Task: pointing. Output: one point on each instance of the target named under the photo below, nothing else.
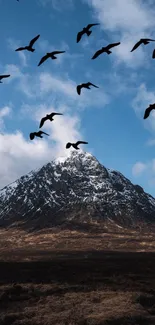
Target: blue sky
(109, 118)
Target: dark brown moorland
(73, 277)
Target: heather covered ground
(74, 277)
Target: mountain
(74, 189)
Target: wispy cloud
(4, 112)
(141, 101)
(13, 45)
(138, 169)
(62, 58)
(150, 142)
(67, 87)
(14, 71)
(145, 170)
(58, 5)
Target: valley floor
(70, 277)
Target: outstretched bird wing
(90, 25)
(34, 40)
(78, 142)
(90, 84)
(52, 114)
(43, 59)
(136, 45)
(153, 54)
(4, 76)
(148, 110)
(57, 52)
(68, 145)
(78, 88)
(42, 132)
(20, 49)
(149, 39)
(32, 135)
(43, 121)
(79, 35)
(112, 45)
(97, 53)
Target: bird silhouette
(29, 47)
(50, 55)
(84, 85)
(37, 134)
(144, 41)
(4, 76)
(148, 110)
(48, 117)
(153, 54)
(75, 145)
(85, 30)
(105, 49)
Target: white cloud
(130, 15)
(138, 169)
(64, 129)
(20, 155)
(128, 21)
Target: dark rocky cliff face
(76, 188)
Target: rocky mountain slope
(77, 188)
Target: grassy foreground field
(70, 277)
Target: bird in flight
(105, 49)
(48, 117)
(153, 54)
(4, 76)
(144, 41)
(29, 47)
(37, 134)
(85, 30)
(50, 55)
(148, 110)
(75, 145)
(84, 85)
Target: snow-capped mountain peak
(80, 185)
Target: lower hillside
(77, 278)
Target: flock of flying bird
(52, 55)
